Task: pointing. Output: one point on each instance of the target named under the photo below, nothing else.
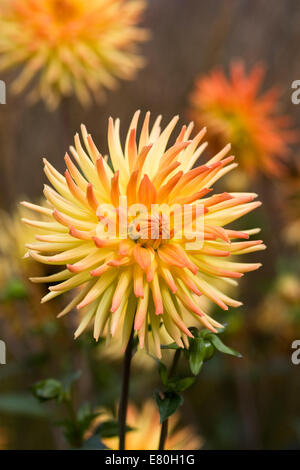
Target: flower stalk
(165, 423)
(125, 390)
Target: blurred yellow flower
(150, 271)
(278, 313)
(288, 286)
(234, 110)
(13, 238)
(70, 46)
(146, 431)
(16, 293)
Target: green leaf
(72, 433)
(48, 389)
(21, 404)
(163, 373)
(167, 402)
(69, 379)
(15, 289)
(179, 385)
(196, 354)
(195, 331)
(83, 411)
(209, 350)
(85, 417)
(220, 346)
(204, 333)
(110, 429)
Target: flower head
(143, 360)
(144, 263)
(146, 431)
(70, 46)
(234, 110)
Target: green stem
(165, 424)
(125, 391)
(163, 434)
(76, 440)
(175, 363)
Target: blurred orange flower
(234, 110)
(74, 46)
(146, 431)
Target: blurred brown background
(189, 37)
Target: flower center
(150, 230)
(63, 10)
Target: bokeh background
(236, 403)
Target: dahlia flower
(70, 46)
(151, 271)
(143, 358)
(146, 431)
(234, 110)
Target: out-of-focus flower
(13, 238)
(290, 188)
(292, 231)
(279, 313)
(16, 293)
(235, 111)
(151, 271)
(146, 431)
(3, 439)
(288, 286)
(70, 46)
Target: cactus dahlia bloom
(140, 276)
(234, 111)
(73, 46)
(142, 360)
(146, 431)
